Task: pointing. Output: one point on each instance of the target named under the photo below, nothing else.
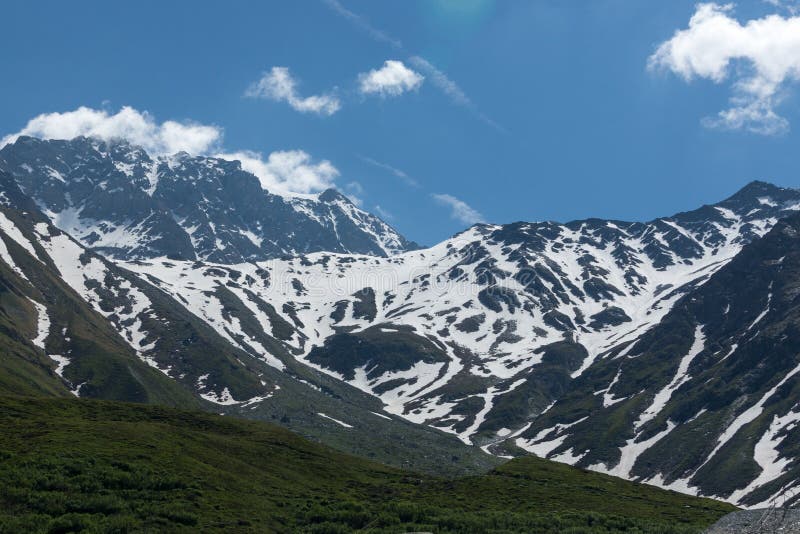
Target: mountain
(72, 323)
(560, 340)
(440, 334)
(480, 335)
(141, 468)
(115, 198)
(718, 379)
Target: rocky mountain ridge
(115, 198)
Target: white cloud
(393, 79)
(286, 172)
(459, 210)
(138, 127)
(760, 58)
(391, 170)
(279, 85)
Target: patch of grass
(96, 466)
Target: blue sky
(551, 111)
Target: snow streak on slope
(197, 289)
(90, 278)
(122, 298)
(223, 399)
(5, 255)
(635, 446)
(42, 331)
(748, 415)
(631, 452)
(547, 440)
(329, 418)
(768, 457)
(42, 324)
(680, 378)
(11, 230)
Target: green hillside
(98, 466)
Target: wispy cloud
(451, 89)
(441, 81)
(279, 85)
(792, 7)
(408, 180)
(715, 41)
(382, 213)
(392, 79)
(363, 24)
(354, 191)
(459, 210)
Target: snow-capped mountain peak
(122, 202)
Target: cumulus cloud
(137, 127)
(279, 85)
(392, 79)
(760, 58)
(459, 210)
(286, 172)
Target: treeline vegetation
(91, 466)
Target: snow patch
(340, 423)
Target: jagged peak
(238, 225)
(757, 188)
(333, 195)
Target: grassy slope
(67, 464)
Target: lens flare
(463, 16)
